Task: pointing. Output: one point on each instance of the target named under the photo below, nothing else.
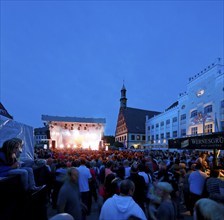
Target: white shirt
(84, 176)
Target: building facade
(130, 129)
(41, 137)
(199, 110)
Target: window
(167, 121)
(132, 137)
(208, 128)
(208, 109)
(152, 138)
(149, 138)
(222, 126)
(157, 125)
(143, 137)
(157, 137)
(174, 119)
(174, 133)
(183, 132)
(162, 136)
(138, 137)
(167, 134)
(194, 113)
(148, 128)
(162, 123)
(222, 104)
(152, 126)
(194, 130)
(183, 117)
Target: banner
(210, 141)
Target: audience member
(9, 165)
(167, 209)
(196, 185)
(62, 216)
(69, 199)
(84, 178)
(122, 206)
(207, 209)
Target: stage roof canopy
(73, 119)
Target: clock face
(200, 92)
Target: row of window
(194, 113)
(137, 137)
(156, 137)
(37, 137)
(194, 131)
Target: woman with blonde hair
(208, 209)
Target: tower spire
(123, 99)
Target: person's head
(163, 189)
(162, 165)
(214, 173)
(62, 216)
(11, 148)
(198, 166)
(127, 187)
(207, 209)
(20, 142)
(73, 174)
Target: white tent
(10, 129)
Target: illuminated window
(208, 128)
(194, 130)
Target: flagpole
(215, 161)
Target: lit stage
(76, 133)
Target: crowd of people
(126, 184)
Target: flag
(216, 124)
(4, 112)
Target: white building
(198, 110)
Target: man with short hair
(122, 206)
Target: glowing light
(89, 138)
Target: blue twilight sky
(70, 58)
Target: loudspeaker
(48, 134)
(53, 144)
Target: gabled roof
(135, 118)
(4, 112)
(73, 119)
(172, 106)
